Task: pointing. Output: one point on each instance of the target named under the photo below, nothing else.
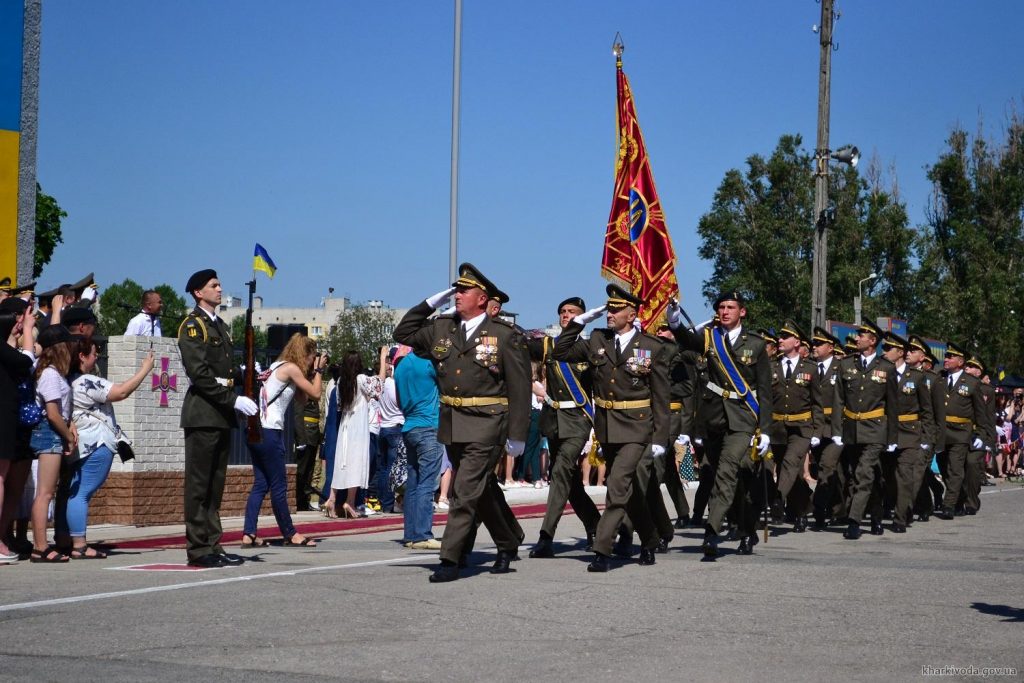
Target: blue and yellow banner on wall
(12, 22)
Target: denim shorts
(45, 440)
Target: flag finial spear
(618, 48)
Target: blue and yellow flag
(261, 261)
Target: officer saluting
(207, 416)
(483, 374)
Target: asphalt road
(804, 607)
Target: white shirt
(390, 414)
(473, 323)
(867, 360)
(900, 369)
(623, 339)
(825, 365)
(955, 376)
(790, 364)
(143, 325)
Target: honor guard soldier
(974, 467)
(916, 430)
(797, 420)
(965, 425)
(865, 423)
(631, 399)
(919, 357)
(483, 374)
(682, 414)
(566, 420)
(830, 491)
(737, 405)
(207, 416)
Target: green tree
(119, 303)
(970, 248)
(363, 329)
(48, 235)
(758, 236)
(238, 335)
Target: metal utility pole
(822, 217)
(453, 208)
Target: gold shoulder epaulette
(193, 326)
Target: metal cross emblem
(164, 381)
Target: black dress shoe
(599, 563)
(623, 547)
(747, 544)
(959, 512)
(230, 560)
(778, 514)
(819, 525)
(663, 542)
(710, 545)
(876, 527)
(800, 525)
(206, 561)
(695, 522)
(852, 532)
(646, 556)
(971, 511)
(446, 572)
(945, 513)
(502, 562)
(682, 522)
(590, 542)
(923, 517)
(543, 547)
(898, 528)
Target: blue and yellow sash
(728, 366)
(572, 383)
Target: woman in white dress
(352, 452)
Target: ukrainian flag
(261, 261)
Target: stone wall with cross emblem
(150, 488)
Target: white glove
(891, 448)
(977, 444)
(837, 440)
(698, 442)
(440, 297)
(657, 450)
(515, 448)
(89, 293)
(815, 442)
(590, 316)
(246, 406)
(925, 447)
(448, 311)
(683, 439)
(673, 315)
(762, 444)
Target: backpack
(29, 412)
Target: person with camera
(87, 468)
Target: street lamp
(857, 299)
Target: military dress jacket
(796, 402)
(751, 359)
(914, 408)
(826, 390)
(937, 391)
(557, 418)
(491, 364)
(206, 353)
(682, 378)
(965, 410)
(639, 374)
(864, 409)
(988, 434)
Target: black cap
(13, 304)
(791, 329)
(199, 279)
(53, 335)
(573, 301)
(893, 339)
(618, 298)
(850, 346)
(78, 315)
(823, 336)
(731, 295)
(954, 349)
(470, 277)
(871, 328)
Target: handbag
(122, 443)
(399, 473)
(29, 412)
(686, 464)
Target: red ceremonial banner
(638, 251)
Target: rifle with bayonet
(253, 427)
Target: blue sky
(176, 135)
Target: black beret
(572, 301)
(731, 295)
(199, 279)
(76, 315)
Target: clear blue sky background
(178, 134)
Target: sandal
(253, 542)
(84, 554)
(48, 555)
(307, 542)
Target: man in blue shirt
(415, 382)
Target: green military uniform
(923, 476)
(307, 444)
(730, 424)
(864, 415)
(830, 491)
(485, 386)
(631, 399)
(965, 421)
(974, 467)
(796, 418)
(708, 469)
(916, 429)
(207, 416)
(567, 427)
(682, 413)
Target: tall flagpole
(453, 209)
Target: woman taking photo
(352, 452)
(15, 369)
(87, 469)
(289, 378)
(55, 437)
